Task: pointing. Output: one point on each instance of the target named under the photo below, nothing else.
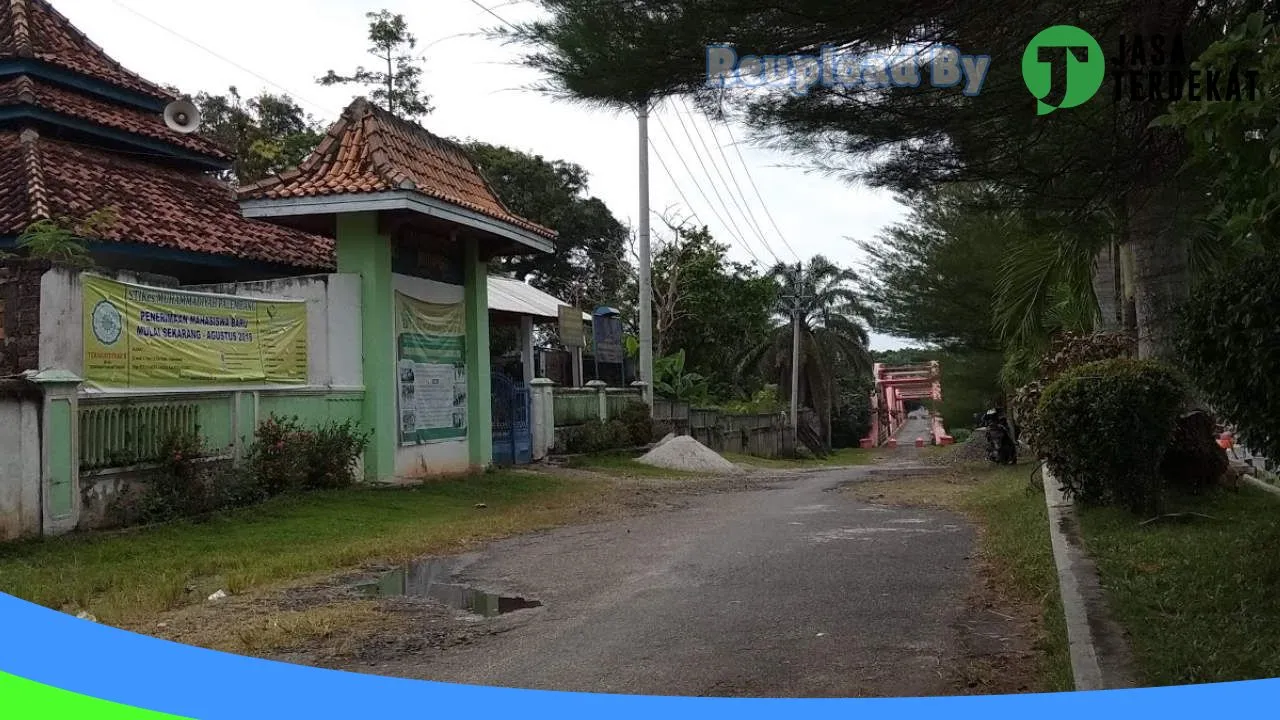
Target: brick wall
(20, 314)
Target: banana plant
(671, 381)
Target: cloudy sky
(479, 92)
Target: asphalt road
(797, 590)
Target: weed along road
(793, 590)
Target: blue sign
(606, 331)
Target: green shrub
(285, 456)
(274, 459)
(961, 435)
(1229, 345)
(638, 420)
(330, 453)
(1068, 350)
(1104, 428)
(180, 485)
(597, 436)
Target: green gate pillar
(479, 390)
(361, 249)
(60, 450)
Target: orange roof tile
(369, 150)
(33, 29)
(23, 89)
(157, 206)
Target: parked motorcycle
(1001, 447)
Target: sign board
(431, 370)
(607, 334)
(138, 336)
(571, 332)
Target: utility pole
(795, 349)
(646, 287)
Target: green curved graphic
(21, 699)
(1085, 66)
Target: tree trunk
(1152, 204)
(1160, 265)
(1106, 287)
(1128, 311)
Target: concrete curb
(1100, 658)
(1265, 486)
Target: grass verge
(1198, 598)
(1013, 543)
(125, 577)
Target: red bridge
(898, 387)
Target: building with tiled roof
(79, 133)
(413, 216)
(402, 215)
(372, 160)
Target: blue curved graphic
(58, 650)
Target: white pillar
(542, 393)
(601, 387)
(526, 347)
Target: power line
(230, 62)
(489, 10)
(714, 189)
(746, 246)
(702, 192)
(747, 217)
(733, 141)
(747, 170)
(680, 192)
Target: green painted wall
(62, 482)
(246, 422)
(107, 429)
(479, 390)
(313, 409)
(215, 421)
(362, 250)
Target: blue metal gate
(512, 431)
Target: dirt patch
(996, 638)
(326, 622)
(322, 627)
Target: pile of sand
(685, 453)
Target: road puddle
(430, 579)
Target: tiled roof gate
(369, 150)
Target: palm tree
(832, 337)
(1080, 280)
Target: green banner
(431, 366)
(137, 336)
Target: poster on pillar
(431, 347)
(138, 336)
